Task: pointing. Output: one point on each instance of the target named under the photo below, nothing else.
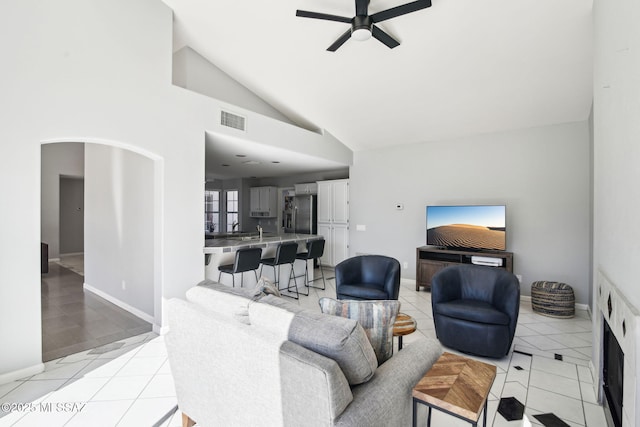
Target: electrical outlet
(124, 285)
(405, 265)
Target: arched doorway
(122, 233)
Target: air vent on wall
(232, 120)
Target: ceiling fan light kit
(361, 28)
(363, 25)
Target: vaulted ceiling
(463, 67)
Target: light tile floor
(132, 385)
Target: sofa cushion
(342, 340)
(473, 311)
(230, 302)
(375, 316)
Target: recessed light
(275, 161)
(251, 162)
(225, 165)
(241, 155)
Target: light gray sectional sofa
(241, 359)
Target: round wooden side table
(404, 325)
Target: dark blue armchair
(368, 277)
(475, 309)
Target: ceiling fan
(363, 25)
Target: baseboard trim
(123, 305)
(21, 373)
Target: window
(232, 210)
(211, 210)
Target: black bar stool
(247, 259)
(315, 250)
(285, 254)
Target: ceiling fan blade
(325, 16)
(400, 10)
(343, 38)
(362, 7)
(384, 37)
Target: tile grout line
(562, 395)
(138, 348)
(584, 413)
(143, 388)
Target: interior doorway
(71, 215)
(97, 211)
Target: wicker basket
(553, 299)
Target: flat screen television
(468, 227)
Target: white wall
(616, 128)
(119, 225)
(57, 159)
(99, 71)
(617, 146)
(192, 71)
(541, 174)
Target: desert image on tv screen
(472, 227)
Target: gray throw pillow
(342, 340)
(375, 316)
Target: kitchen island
(221, 251)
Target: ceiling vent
(232, 120)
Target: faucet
(259, 228)
(233, 226)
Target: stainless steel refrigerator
(304, 218)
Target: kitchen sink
(250, 238)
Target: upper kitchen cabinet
(263, 202)
(333, 201)
(333, 220)
(306, 188)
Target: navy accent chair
(475, 309)
(368, 277)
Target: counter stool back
(285, 254)
(315, 250)
(247, 259)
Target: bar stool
(247, 259)
(285, 254)
(315, 250)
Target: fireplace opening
(612, 374)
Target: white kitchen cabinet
(306, 188)
(340, 243)
(333, 219)
(325, 230)
(263, 201)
